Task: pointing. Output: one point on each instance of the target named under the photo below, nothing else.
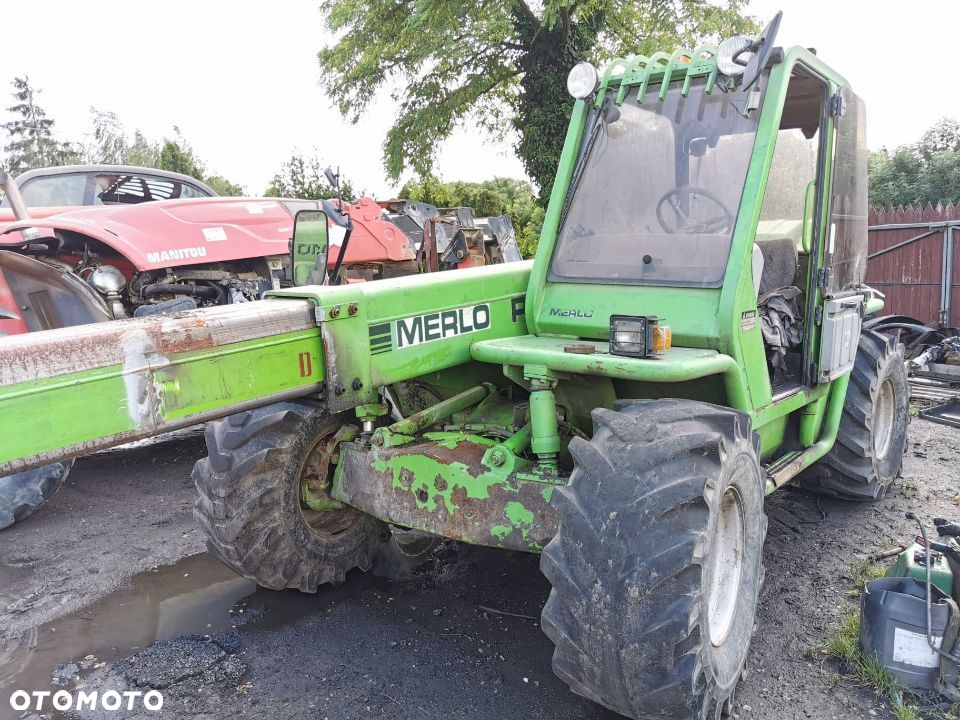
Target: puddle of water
(10, 579)
(192, 596)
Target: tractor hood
(170, 233)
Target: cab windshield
(656, 198)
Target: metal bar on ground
(946, 414)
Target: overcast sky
(242, 84)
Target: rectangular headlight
(631, 335)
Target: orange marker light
(662, 338)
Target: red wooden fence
(914, 261)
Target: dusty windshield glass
(657, 199)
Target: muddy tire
(872, 438)
(656, 566)
(249, 501)
(23, 492)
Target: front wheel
(656, 566)
(251, 503)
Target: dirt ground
(107, 587)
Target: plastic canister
(912, 562)
(893, 628)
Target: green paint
(83, 410)
(518, 515)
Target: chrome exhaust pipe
(20, 211)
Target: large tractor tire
(250, 506)
(23, 492)
(657, 564)
(872, 438)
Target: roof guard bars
(614, 70)
(703, 61)
(641, 70)
(635, 68)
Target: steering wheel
(679, 198)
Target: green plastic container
(912, 563)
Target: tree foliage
(497, 65)
(110, 144)
(302, 177)
(31, 143)
(500, 196)
(176, 155)
(927, 171)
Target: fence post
(946, 281)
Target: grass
(845, 646)
(863, 571)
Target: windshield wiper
(581, 165)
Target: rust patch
(461, 500)
(47, 354)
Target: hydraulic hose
(202, 291)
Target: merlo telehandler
(687, 340)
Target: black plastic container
(893, 628)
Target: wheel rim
(727, 567)
(883, 415)
(317, 472)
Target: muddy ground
(114, 564)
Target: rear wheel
(656, 566)
(872, 438)
(23, 492)
(252, 505)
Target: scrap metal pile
(933, 362)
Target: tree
(31, 141)
(176, 155)
(500, 196)
(109, 139)
(110, 145)
(942, 136)
(142, 152)
(302, 177)
(221, 186)
(495, 64)
(927, 171)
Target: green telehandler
(687, 340)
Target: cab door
(844, 263)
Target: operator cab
(728, 205)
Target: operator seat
(779, 263)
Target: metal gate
(913, 261)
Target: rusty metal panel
(67, 392)
(34, 356)
(444, 489)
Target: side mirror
(332, 179)
(308, 251)
(809, 207)
(762, 47)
